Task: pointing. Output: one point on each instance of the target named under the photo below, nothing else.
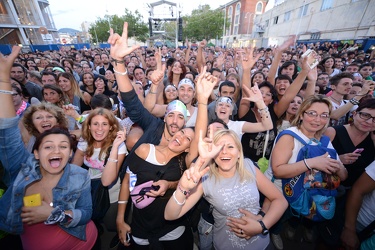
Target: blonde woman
(231, 184)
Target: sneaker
(277, 241)
(289, 232)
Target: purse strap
(266, 139)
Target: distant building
(26, 22)
(315, 19)
(241, 15)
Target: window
(259, 8)
(275, 20)
(303, 10)
(230, 12)
(315, 35)
(287, 16)
(237, 19)
(327, 4)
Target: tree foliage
(136, 27)
(204, 23)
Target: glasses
(314, 115)
(366, 116)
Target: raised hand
(120, 138)
(203, 43)
(248, 59)
(220, 60)
(205, 85)
(119, 44)
(253, 94)
(157, 75)
(158, 59)
(206, 148)
(289, 42)
(192, 176)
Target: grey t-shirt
(227, 195)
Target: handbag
(138, 194)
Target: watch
(264, 228)
(261, 213)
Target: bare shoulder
(143, 150)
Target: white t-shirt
(96, 167)
(366, 214)
(236, 126)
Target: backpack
(312, 193)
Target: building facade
(26, 22)
(240, 14)
(315, 19)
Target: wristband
(117, 61)
(6, 92)
(152, 92)
(175, 199)
(263, 109)
(112, 160)
(261, 213)
(307, 165)
(122, 202)
(121, 73)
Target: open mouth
(178, 142)
(47, 126)
(55, 162)
(225, 159)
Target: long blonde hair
(240, 165)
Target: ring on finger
(241, 231)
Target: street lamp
(248, 24)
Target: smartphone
(312, 59)
(33, 200)
(358, 150)
(114, 107)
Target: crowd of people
(185, 140)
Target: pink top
(40, 236)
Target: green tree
(136, 27)
(204, 23)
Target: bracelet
(261, 213)
(361, 95)
(57, 215)
(6, 92)
(122, 202)
(263, 109)
(307, 165)
(121, 73)
(354, 101)
(112, 160)
(175, 199)
(117, 61)
(152, 92)
(205, 104)
(186, 193)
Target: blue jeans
(206, 235)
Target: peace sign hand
(119, 44)
(253, 94)
(193, 175)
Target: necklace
(166, 137)
(338, 101)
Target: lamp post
(248, 23)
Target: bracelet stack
(264, 111)
(120, 73)
(175, 199)
(185, 192)
(117, 61)
(354, 101)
